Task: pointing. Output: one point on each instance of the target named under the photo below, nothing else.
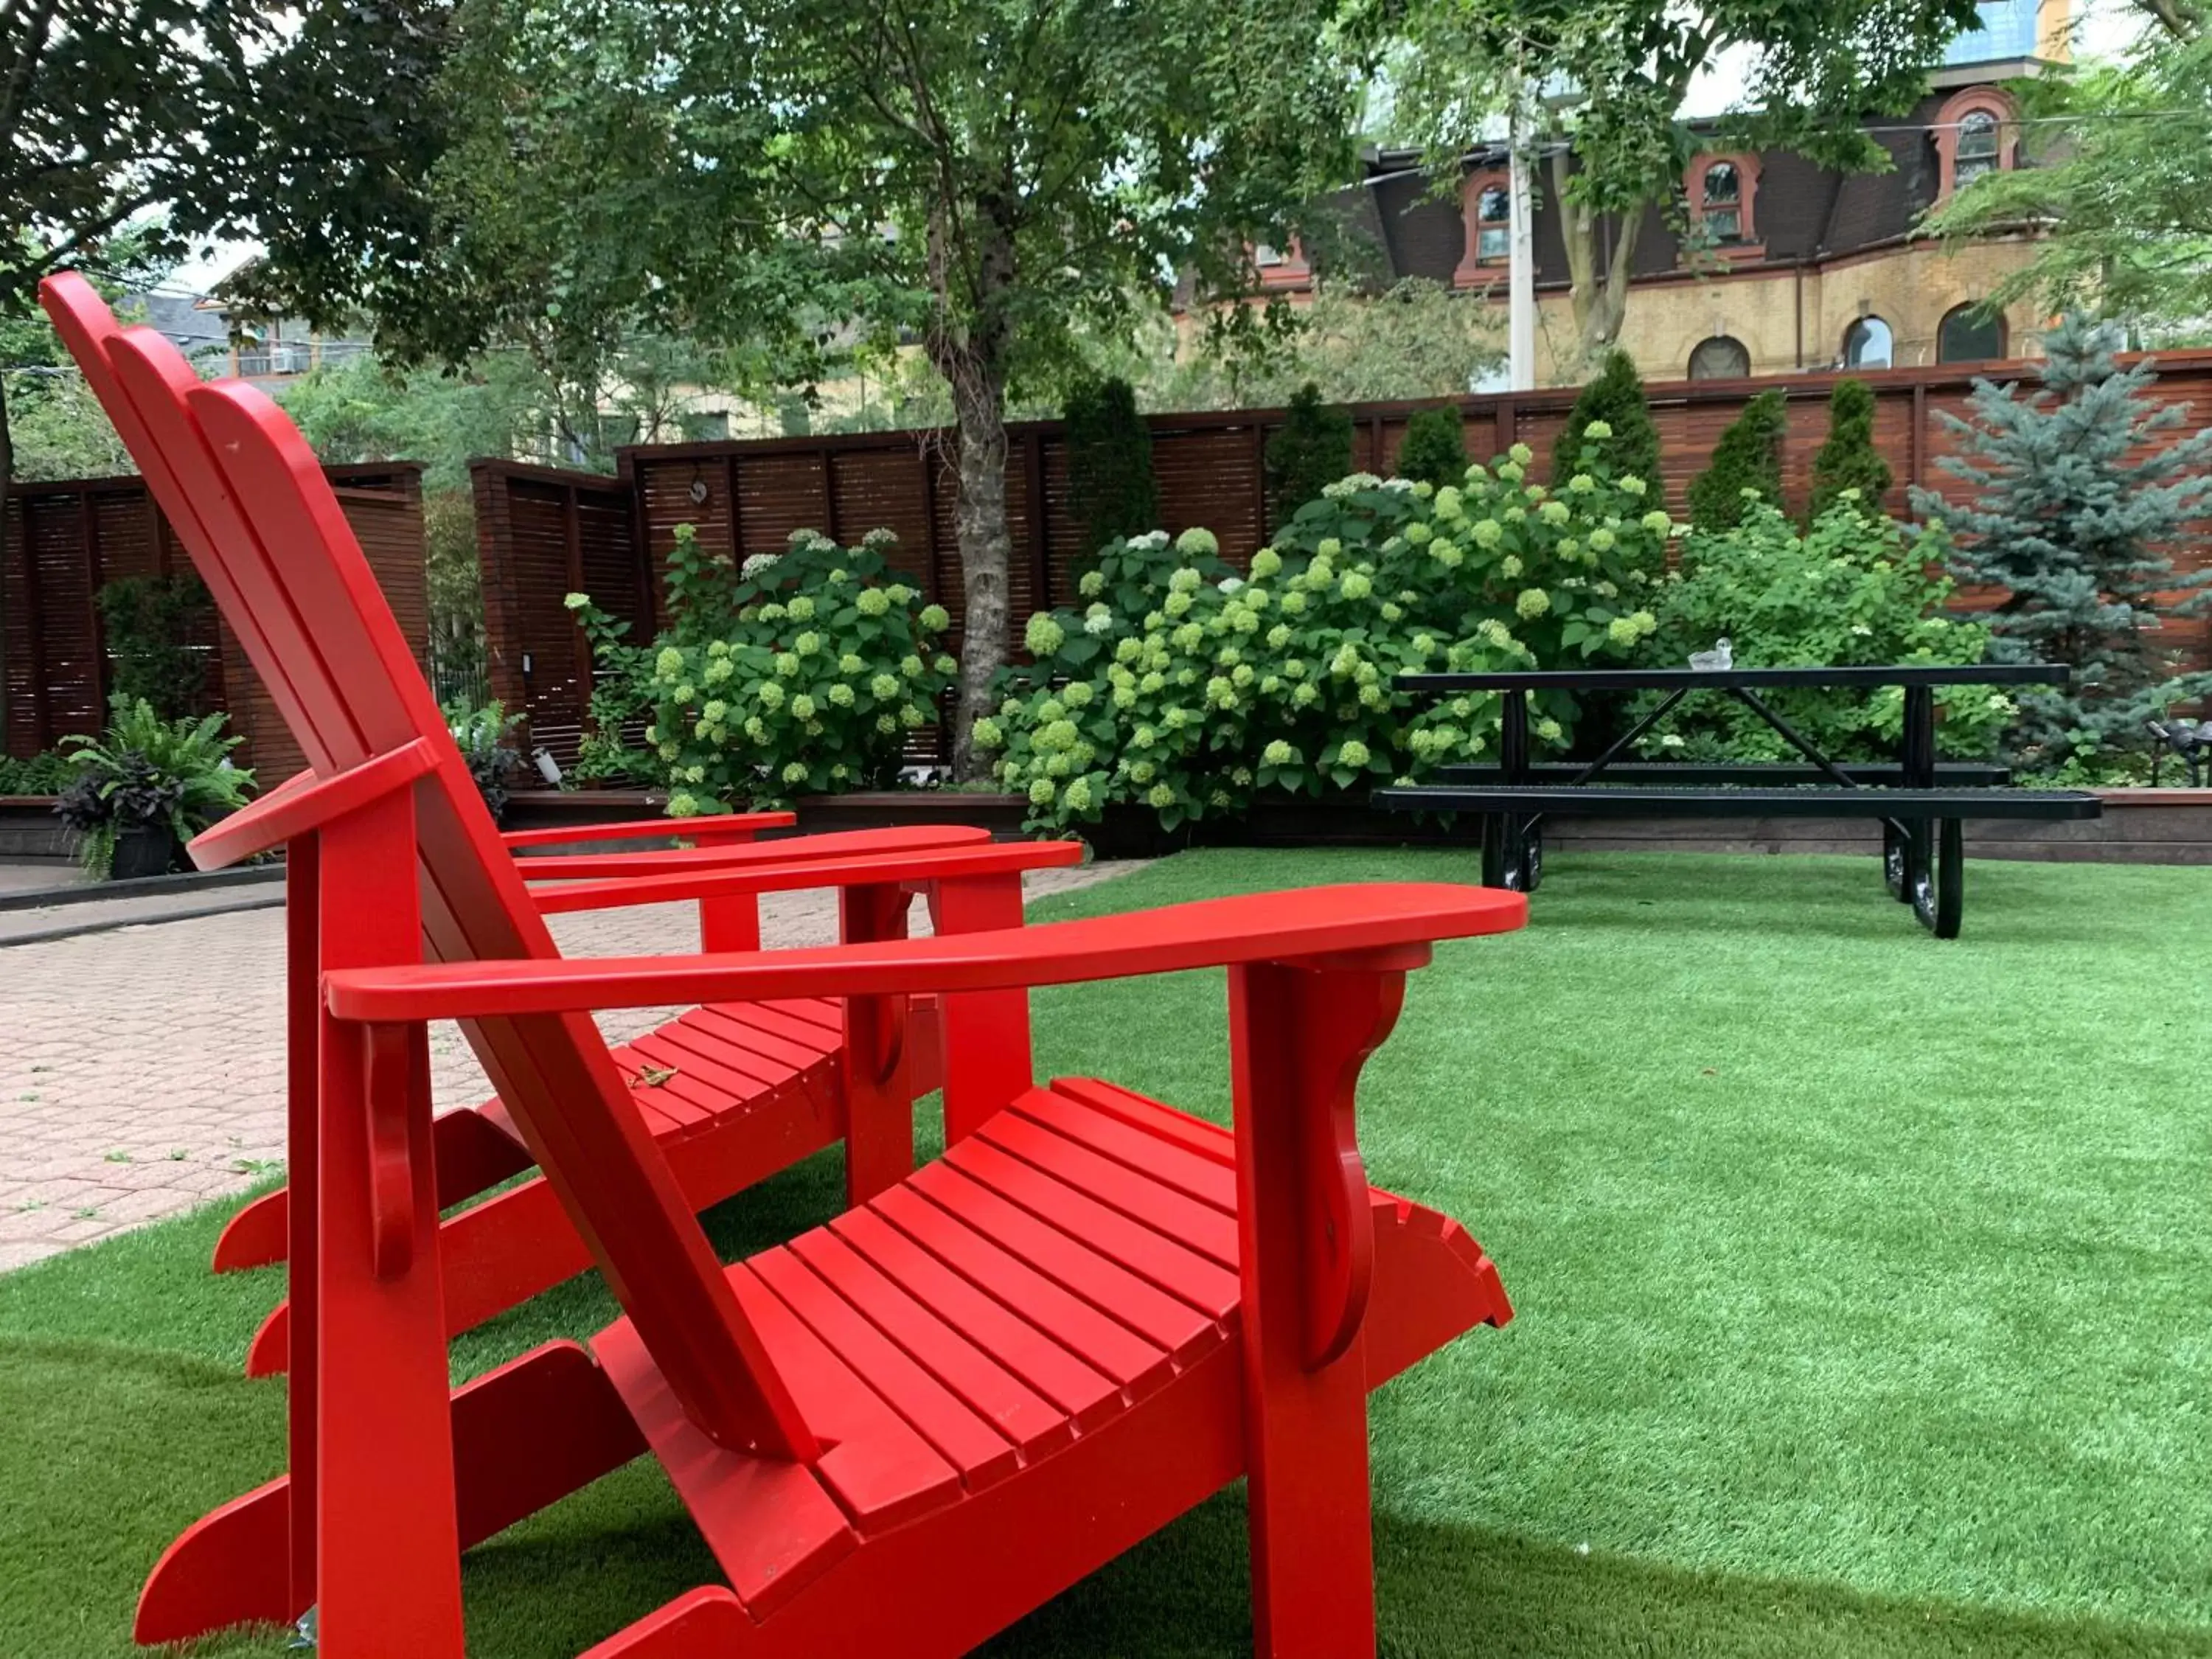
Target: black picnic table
(1921, 801)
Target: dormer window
(1973, 138)
(1723, 192)
(1977, 147)
(1493, 221)
(1485, 206)
(1281, 267)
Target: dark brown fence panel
(543, 534)
(1211, 470)
(66, 539)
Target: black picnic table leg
(1950, 877)
(1515, 866)
(1907, 857)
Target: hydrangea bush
(1181, 685)
(804, 671)
(1854, 589)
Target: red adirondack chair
(905, 1429)
(734, 1093)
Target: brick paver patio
(141, 1071)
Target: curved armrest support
(295, 807)
(869, 870)
(719, 829)
(572, 866)
(1364, 926)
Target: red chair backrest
(256, 514)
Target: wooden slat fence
(67, 540)
(1210, 469)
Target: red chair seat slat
(1087, 1394)
(1153, 1256)
(721, 1068)
(1079, 1266)
(964, 1439)
(1062, 1110)
(1097, 1339)
(1210, 1140)
(1198, 1227)
(769, 1038)
(1029, 1422)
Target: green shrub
(1854, 589)
(1111, 489)
(1194, 691)
(1747, 458)
(46, 774)
(1616, 397)
(1312, 450)
(1848, 459)
(804, 671)
(150, 623)
(1434, 452)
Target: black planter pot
(143, 849)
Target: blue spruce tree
(2079, 497)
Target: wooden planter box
(29, 829)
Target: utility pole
(1520, 270)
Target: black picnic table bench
(1922, 802)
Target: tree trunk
(979, 515)
(969, 340)
(1599, 302)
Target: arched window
(1867, 344)
(1972, 138)
(1977, 147)
(1493, 220)
(1485, 205)
(1723, 192)
(1723, 357)
(1723, 196)
(1968, 334)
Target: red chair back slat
(258, 517)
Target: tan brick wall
(1910, 288)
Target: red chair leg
(387, 1557)
(258, 1235)
(1297, 1037)
(524, 1436)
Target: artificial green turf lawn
(1861, 1282)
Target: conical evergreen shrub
(1111, 489)
(1615, 397)
(1748, 457)
(1849, 460)
(1435, 448)
(1313, 448)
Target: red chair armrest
(869, 870)
(718, 830)
(295, 807)
(1380, 924)
(572, 866)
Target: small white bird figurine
(1722, 656)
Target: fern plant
(145, 770)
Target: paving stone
(149, 1040)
